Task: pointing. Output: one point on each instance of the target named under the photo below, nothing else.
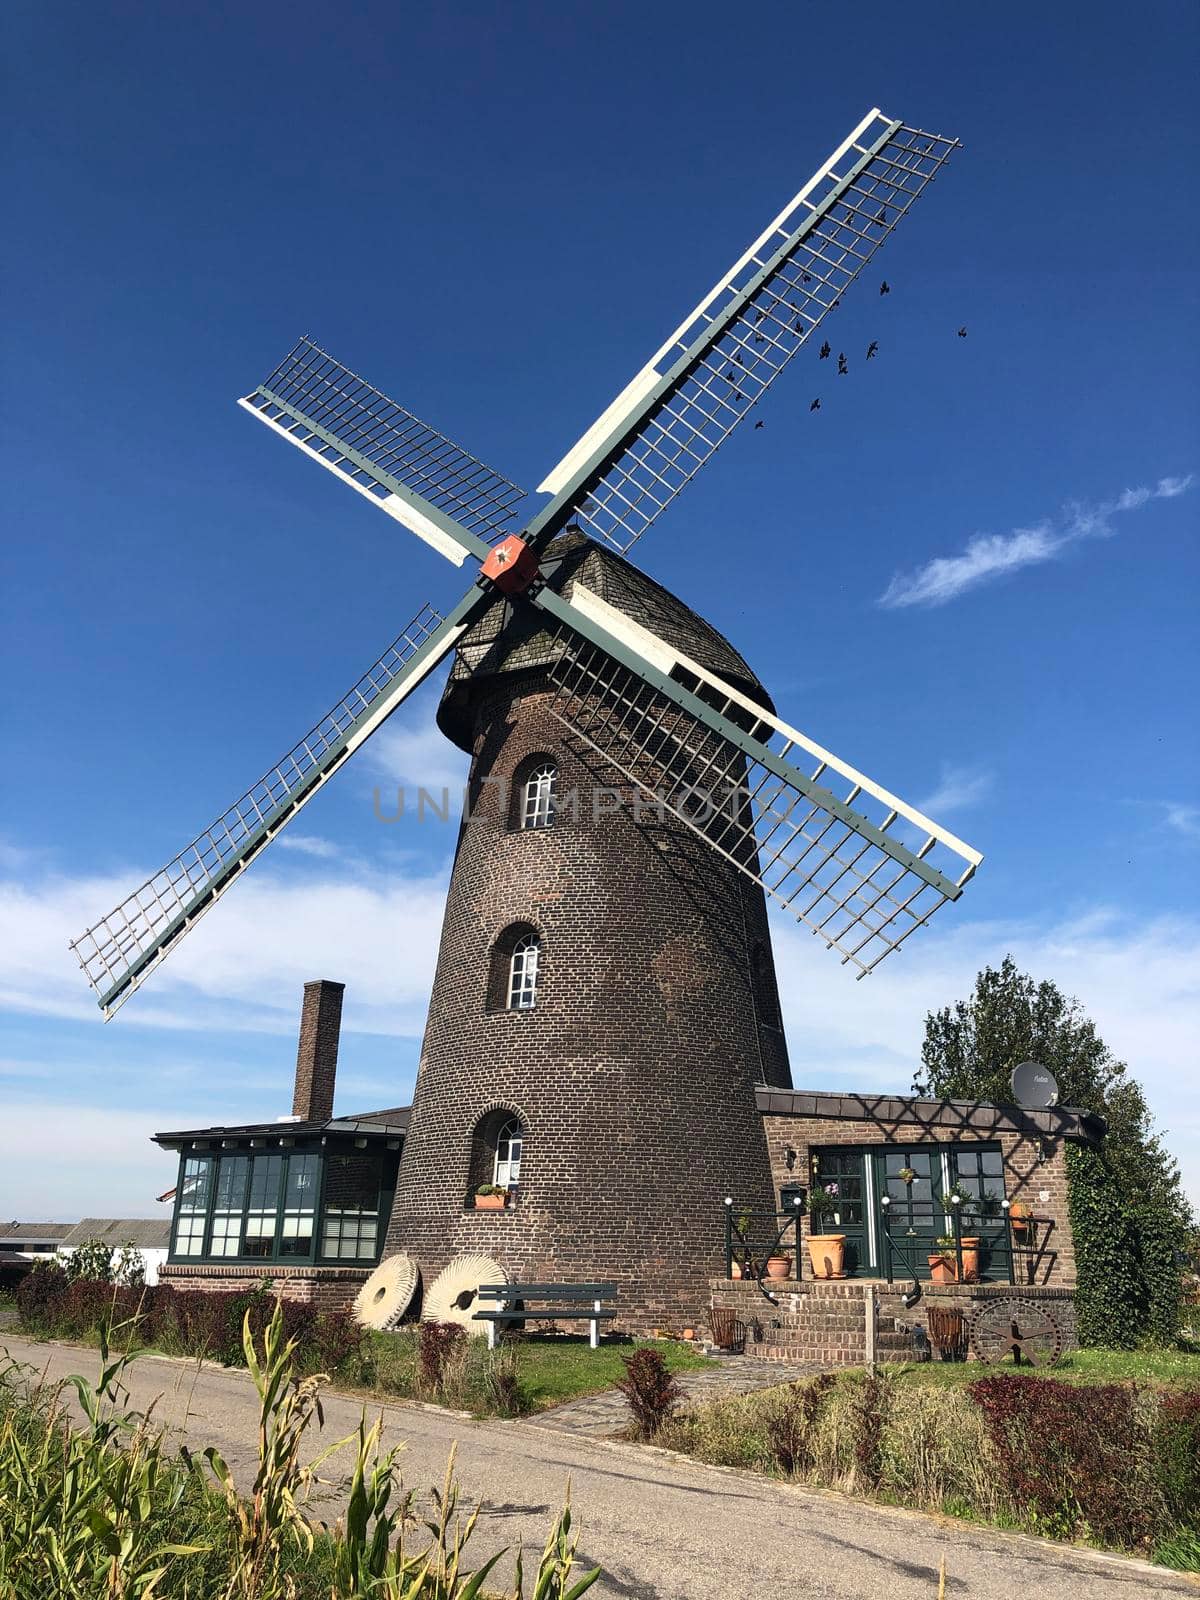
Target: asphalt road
(661, 1527)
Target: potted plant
(1020, 1215)
(778, 1266)
(826, 1251)
(743, 1262)
(490, 1197)
(943, 1267)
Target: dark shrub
(1075, 1458)
(791, 1429)
(37, 1293)
(1177, 1456)
(438, 1340)
(868, 1417)
(651, 1391)
(339, 1344)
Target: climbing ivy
(1129, 1216)
(1111, 1290)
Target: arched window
(539, 795)
(506, 1168)
(523, 973)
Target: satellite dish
(1034, 1086)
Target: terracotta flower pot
(689, 1333)
(778, 1266)
(490, 1202)
(1019, 1216)
(827, 1252)
(735, 1270)
(970, 1260)
(943, 1269)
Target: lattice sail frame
(720, 361)
(701, 750)
(119, 952)
(416, 474)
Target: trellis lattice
(118, 952)
(376, 443)
(722, 360)
(848, 877)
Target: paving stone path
(603, 1415)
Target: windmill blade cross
(726, 767)
(720, 361)
(427, 482)
(119, 952)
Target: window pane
(299, 1204)
(350, 1221)
(522, 986)
(263, 1212)
(232, 1175)
(195, 1187)
(540, 797)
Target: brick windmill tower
(605, 998)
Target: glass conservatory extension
(302, 1198)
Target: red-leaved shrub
(1177, 1455)
(651, 1391)
(1076, 1457)
(436, 1342)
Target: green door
(842, 1173)
(911, 1179)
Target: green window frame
(270, 1206)
(192, 1196)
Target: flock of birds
(843, 366)
(826, 350)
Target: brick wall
(327, 1288)
(1034, 1167)
(635, 1074)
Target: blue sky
(973, 573)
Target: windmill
(623, 681)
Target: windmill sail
(427, 482)
(724, 356)
(850, 860)
(120, 950)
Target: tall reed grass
(95, 1505)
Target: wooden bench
(570, 1300)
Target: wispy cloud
(417, 754)
(959, 788)
(309, 844)
(1183, 819)
(993, 555)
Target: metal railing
(753, 1237)
(966, 1221)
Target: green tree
(1129, 1215)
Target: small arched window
(523, 973)
(539, 796)
(506, 1168)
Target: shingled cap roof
(502, 641)
(390, 1124)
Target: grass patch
(550, 1370)
(1115, 1464)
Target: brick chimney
(317, 1052)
